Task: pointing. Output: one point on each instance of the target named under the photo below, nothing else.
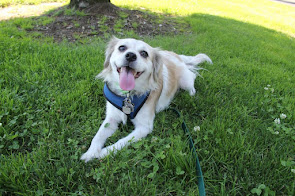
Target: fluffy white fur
(161, 72)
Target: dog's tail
(195, 60)
(192, 62)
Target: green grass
(273, 15)
(72, 12)
(51, 107)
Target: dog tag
(128, 107)
(126, 110)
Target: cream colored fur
(162, 73)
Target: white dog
(139, 82)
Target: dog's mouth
(127, 77)
(134, 73)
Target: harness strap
(118, 101)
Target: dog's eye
(144, 54)
(122, 48)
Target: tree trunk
(86, 3)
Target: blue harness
(118, 101)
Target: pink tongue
(127, 81)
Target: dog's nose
(130, 56)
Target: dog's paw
(103, 153)
(89, 155)
(192, 92)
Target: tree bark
(86, 3)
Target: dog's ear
(157, 64)
(110, 49)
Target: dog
(140, 81)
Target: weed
(135, 25)
(102, 24)
(26, 24)
(123, 15)
(58, 12)
(77, 36)
(262, 188)
(119, 25)
(76, 24)
(73, 12)
(275, 107)
(131, 33)
(44, 20)
(92, 27)
(102, 20)
(104, 28)
(94, 33)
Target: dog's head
(132, 64)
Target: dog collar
(118, 101)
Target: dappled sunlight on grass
(6, 3)
(174, 7)
(269, 14)
(21, 11)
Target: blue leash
(201, 184)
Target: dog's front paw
(103, 153)
(192, 92)
(89, 155)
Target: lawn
(51, 107)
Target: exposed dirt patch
(105, 20)
(101, 20)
